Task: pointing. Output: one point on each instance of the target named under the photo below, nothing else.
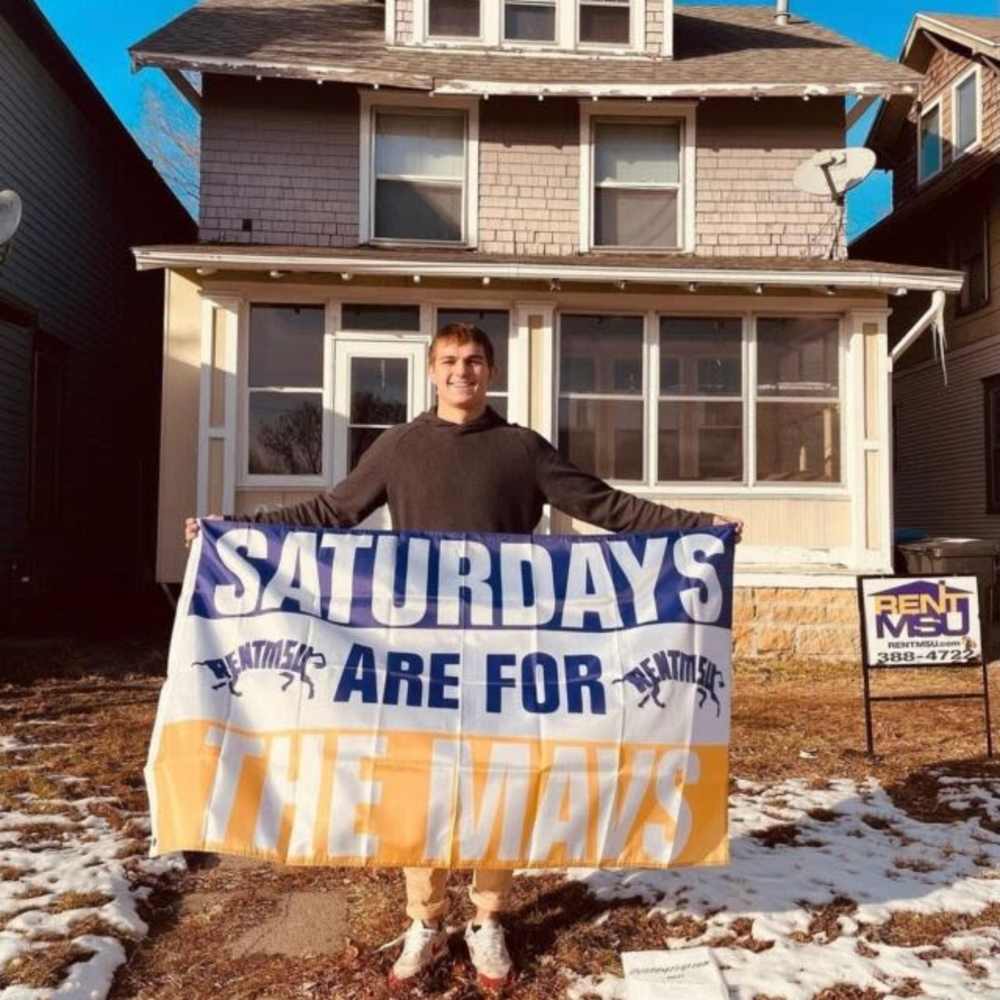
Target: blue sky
(99, 31)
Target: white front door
(376, 386)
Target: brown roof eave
(294, 71)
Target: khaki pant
(426, 898)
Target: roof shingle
(715, 46)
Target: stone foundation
(781, 623)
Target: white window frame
(921, 114)
(491, 35)
(636, 30)
(644, 397)
(683, 112)
(750, 486)
(244, 478)
(975, 71)
(372, 101)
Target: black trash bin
(962, 557)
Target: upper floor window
(965, 111)
(614, 25)
(637, 180)
(605, 22)
(929, 151)
(418, 170)
(453, 18)
(533, 21)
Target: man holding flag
(460, 467)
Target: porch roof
(639, 268)
(718, 50)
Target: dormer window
(529, 22)
(454, 18)
(966, 112)
(612, 27)
(605, 22)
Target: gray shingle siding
(88, 196)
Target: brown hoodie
(482, 476)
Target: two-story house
(606, 186)
(943, 145)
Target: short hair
(464, 333)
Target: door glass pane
(700, 440)
(359, 440)
(798, 442)
(453, 18)
(797, 356)
(420, 145)
(406, 210)
(930, 142)
(600, 354)
(379, 390)
(499, 404)
(701, 356)
(631, 153)
(604, 23)
(286, 345)
(603, 436)
(495, 323)
(529, 22)
(355, 316)
(968, 100)
(286, 433)
(633, 217)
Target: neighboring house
(80, 333)
(943, 145)
(607, 188)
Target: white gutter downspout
(934, 318)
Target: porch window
(529, 20)
(700, 409)
(495, 323)
(991, 397)
(798, 400)
(929, 141)
(419, 175)
(965, 108)
(453, 18)
(285, 390)
(604, 22)
(637, 184)
(601, 394)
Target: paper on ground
(684, 974)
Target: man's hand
(191, 527)
(718, 520)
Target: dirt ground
(797, 720)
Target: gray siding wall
(88, 195)
(284, 155)
(940, 462)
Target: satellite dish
(10, 219)
(834, 172)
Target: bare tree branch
(169, 134)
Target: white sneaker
(422, 947)
(488, 951)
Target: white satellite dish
(10, 219)
(833, 172)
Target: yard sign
(908, 622)
(374, 698)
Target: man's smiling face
(461, 374)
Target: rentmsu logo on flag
(921, 609)
(287, 657)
